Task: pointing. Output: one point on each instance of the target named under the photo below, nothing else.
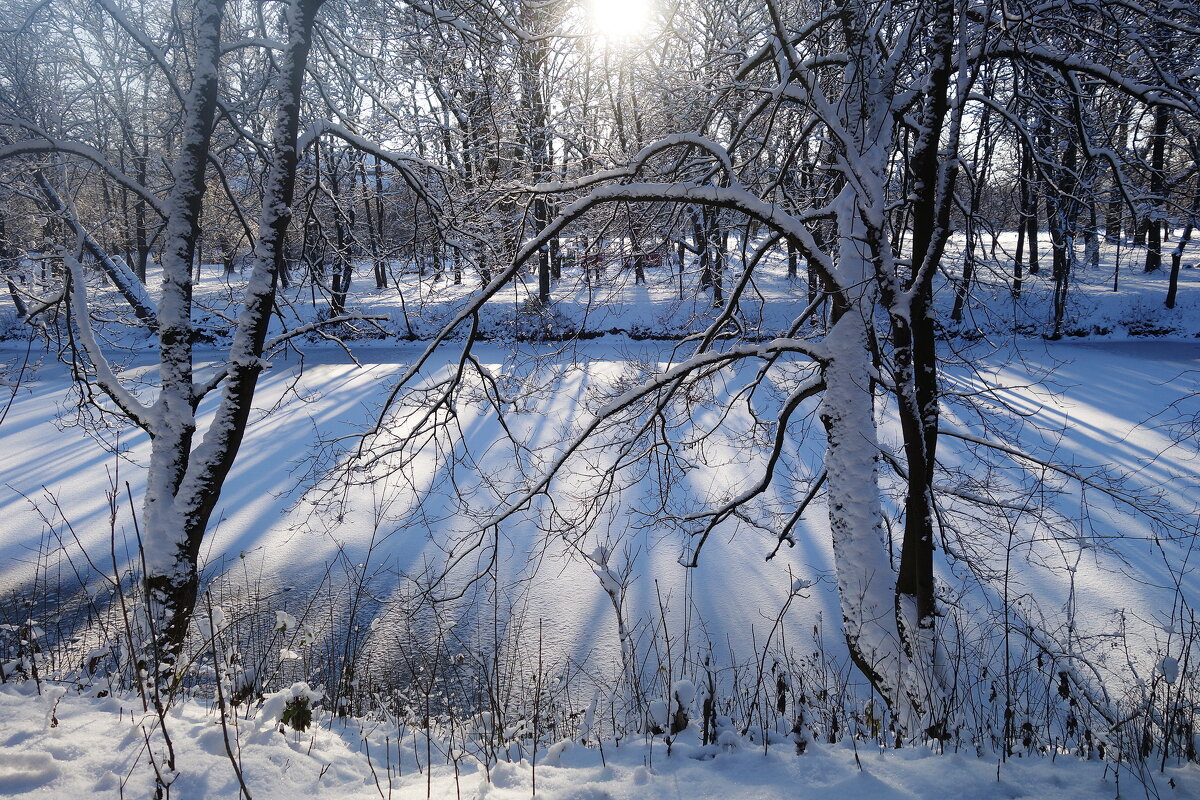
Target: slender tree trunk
(1176, 259)
(140, 235)
(1018, 276)
(532, 61)
(1158, 189)
(373, 228)
(700, 239)
(381, 264)
(1029, 207)
(720, 254)
(815, 286)
(1091, 237)
(1181, 245)
(1115, 207)
(914, 338)
(1112, 220)
(8, 263)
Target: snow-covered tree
(188, 466)
(847, 146)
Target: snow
(1113, 398)
(684, 693)
(1169, 667)
(76, 745)
(332, 397)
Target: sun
(619, 21)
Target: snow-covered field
(293, 539)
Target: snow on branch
(639, 160)
(1156, 94)
(403, 162)
(105, 378)
(48, 144)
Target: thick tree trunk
(866, 583)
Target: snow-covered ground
(1116, 400)
(64, 745)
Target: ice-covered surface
(1097, 404)
(1094, 395)
(669, 303)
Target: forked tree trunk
(184, 484)
(170, 548)
(888, 617)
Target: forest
(585, 398)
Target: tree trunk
(1181, 245)
(866, 583)
(914, 339)
(8, 262)
(171, 543)
(1029, 207)
(1158, 190)
(183, 486)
